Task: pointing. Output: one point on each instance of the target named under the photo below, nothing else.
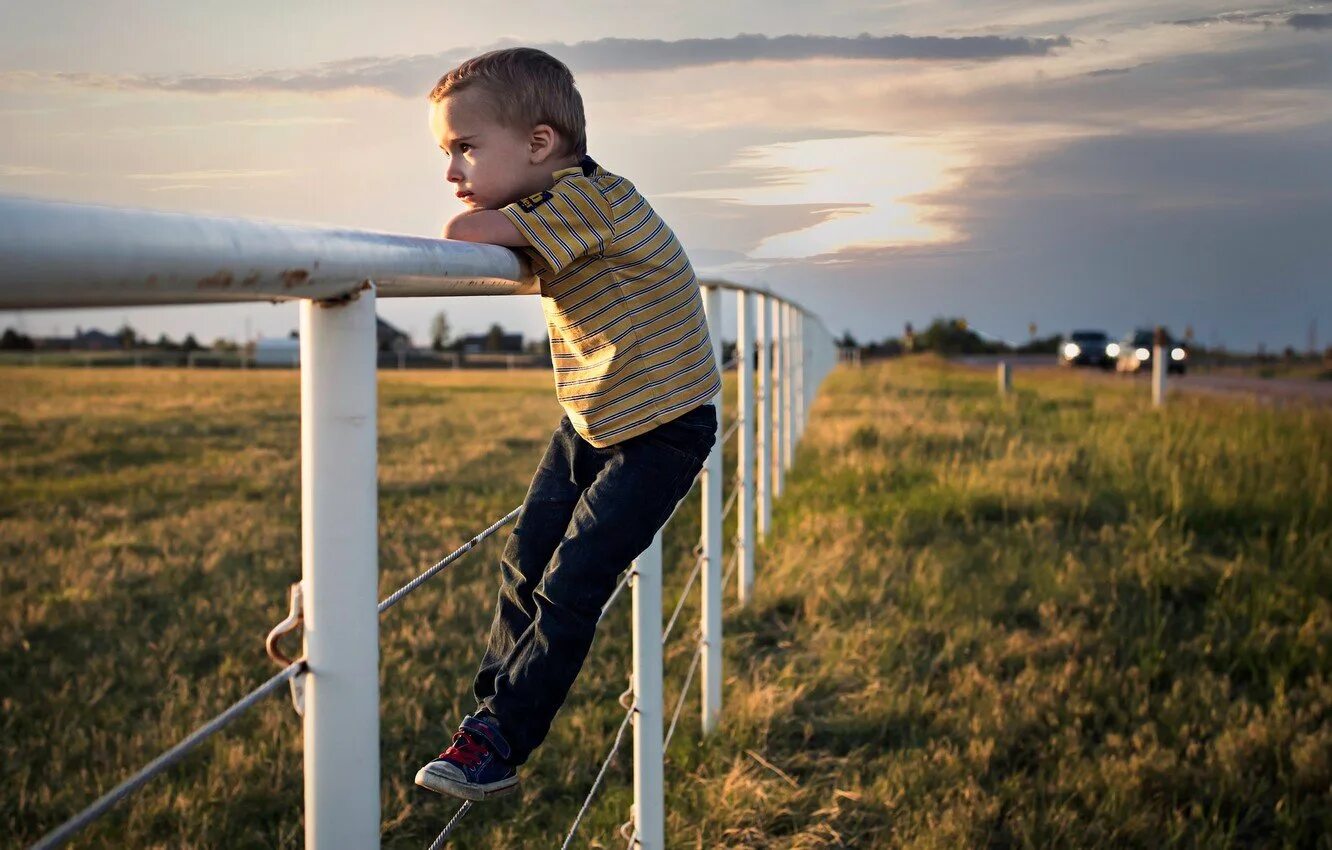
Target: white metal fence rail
(68, 255)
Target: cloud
(1310, 22)
(28, 171)
(212, 174)
(1226, 232)
(1298, 20)
(410, 76)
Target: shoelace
(466, 749)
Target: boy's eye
(464, 147)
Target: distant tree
(890, 347)
(1041, 345)
(12, 340)
(952, 336)
(494, 338)
(848, 341)
(128, 338)
(191, 344)
(224, 344)
(439, 331)
(165, 343)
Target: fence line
(64, 255)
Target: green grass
(1063, 619)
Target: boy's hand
(489, 226)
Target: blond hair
(524, 87)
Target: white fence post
(763, 448)
(340, 571)
(787, 389)
(1005, 377)
(712, 542)
(779, 412)
(1159, 355)
(744, 347)
(800, 375)
(649, 769)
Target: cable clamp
(294, 619)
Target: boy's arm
(489, 226)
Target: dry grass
(1065, 620)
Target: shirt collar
(586, 167)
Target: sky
(1087, 163)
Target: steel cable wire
(601, 774)
(101, 805)
(438, 843)
(398, 594)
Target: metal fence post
(787, 391)
(339, 557)
(779, 355)
(763, 448)
(1159, 354)
(800, 399)
(649, 770)
(745, 459)
(712, 542)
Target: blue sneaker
(474, 766)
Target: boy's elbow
(457, 228)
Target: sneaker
(474, 766)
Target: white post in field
(712, 542)
(799, 391)
(340, 572)
(787, 388)
(744, 347)
(1005, 378)
(764, 445)
(1159, 366)
(779, 356)
(649, 770)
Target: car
(1135, 352)
(1087, 348)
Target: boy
(634, 372)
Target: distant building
(277, 351)
(390, 338)
(90, 340)
(496, 343)
(286, 351)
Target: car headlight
(1071, 350)
(1142, 354)
(1112, 350)
(1177, 354)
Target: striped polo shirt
(628, 337)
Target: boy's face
(489, 164)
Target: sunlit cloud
(214, 174)
(29, 171)
(874, 185)
(411, 76)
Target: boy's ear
(541, 143)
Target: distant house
(90, 340)
(500, 343)
(390, 338)
(277, 351)
(286, 351)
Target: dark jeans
(588, 513)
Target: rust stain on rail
(292, 278)
(218, 280)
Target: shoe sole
(444, 785)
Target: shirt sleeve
(565, 222)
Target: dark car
(1135, 352)
(1087, 348)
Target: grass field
(1063, 619)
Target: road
(1266, 390)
